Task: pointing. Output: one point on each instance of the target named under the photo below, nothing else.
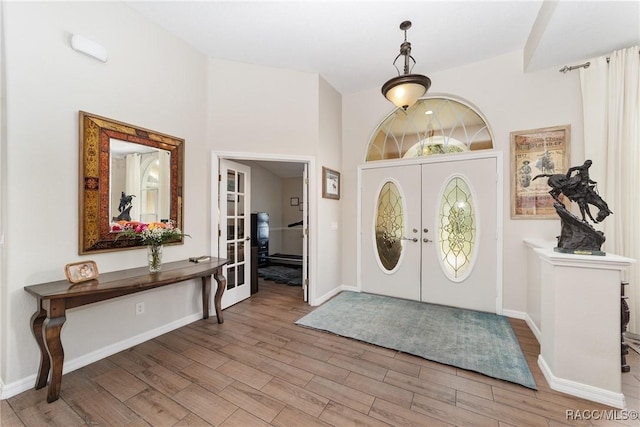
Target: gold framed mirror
(127, 174)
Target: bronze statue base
(579, 251)
(576, 236)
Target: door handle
(426, 240)
(415, 239)
(247, 238)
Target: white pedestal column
(580, 324)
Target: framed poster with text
(537, 152)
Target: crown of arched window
(433, 125)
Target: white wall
(152, 80)
(259, 110)
(329, 227)
(291, 236)
(266, 196)
(510, 100)
(256, 109)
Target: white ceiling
(352, 44)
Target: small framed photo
(294, 201)
(537, 153)
(81, 271)
(330, 184)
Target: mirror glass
(139, 182)
(127, 174)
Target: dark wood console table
(54, 298)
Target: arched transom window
(435, 125)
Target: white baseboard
(583, 391)
(24, 384)
(524, 316)
(514, 314)
(17, 387)
(335, 291)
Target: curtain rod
(575, 67)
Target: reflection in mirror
(140, 182)
(127, 174)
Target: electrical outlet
(139, 308)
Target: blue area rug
(472, 340)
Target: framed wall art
(81, 271)
(330, 184)
(535, 152)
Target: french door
(459, 262)
(235, 230)
(391, 250)
(430, 232)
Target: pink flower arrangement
(151, 234)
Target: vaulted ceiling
(352, 44)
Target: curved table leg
(51, 332)
(222, 285)
(206, 296)
(36, 327)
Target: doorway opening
(269, 235)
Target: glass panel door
(460, 234)
(235, 234)
(390, 237)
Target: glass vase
(154, 256)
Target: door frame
(310, 204)
(440, 159)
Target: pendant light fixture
(407, 88)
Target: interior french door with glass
(235, 230)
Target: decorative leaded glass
(433, 125)
(389, 225)
(457, 228)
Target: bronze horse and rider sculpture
(578, 237)
(126, 203)
(579, 188)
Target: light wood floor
(259, 369)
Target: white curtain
(611, 108)
(132, 183)
(164, 184)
